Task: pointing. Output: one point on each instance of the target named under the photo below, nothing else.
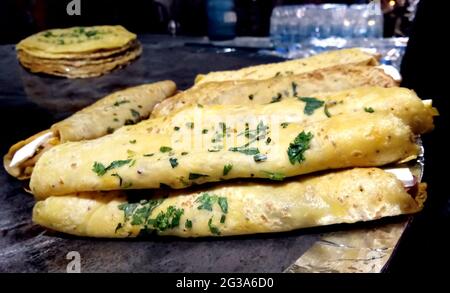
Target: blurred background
(227, 18)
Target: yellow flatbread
(233, 209)
(139, 157)
(78, 39)
(123, 107)
(250, 92)
(354, 56)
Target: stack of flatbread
(79, 52)
(271, 148)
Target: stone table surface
(30, 103)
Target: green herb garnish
(167, 220)
(245, 150)
(311, 104)
(165, 149)
(135, 114)
(222, 219)
(227, 168)
(284, 124)
(188, 224)
(223, 203)
(298, 147)
(133, 141)
(101, 170)
(213, 229)
(260, 158)
(190, 125)
(173, 162)
(193, 176)
(206, 201)
(369, 110)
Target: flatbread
(85, 71)
(251, 92)
(123, 107)
(78, 39)
(139, 158)
(354, 56)
(233, 208)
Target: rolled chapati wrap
(291, 107)
(137, 157)
(349, 196)
(121, 108)
(252, 92)
(353, 56)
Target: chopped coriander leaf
(149, 155)
(133, 141)
(275, 176)
(101, 170)
(206, 201)
(165, 149)
(109, 130)
(245, 150)
(294, 89)
(135, 114)
(223, 203)
(116, 120)
(277, 74)
(184, 153)
(188, 224)
(222, 219)
(128, 209)
(118, 103)
(369, 109)
(118, 164)
(250, 97)
(167, 220)
(277, 98)
(284, 124)
(268, 140)
(311, 104)
(193, 176)
(260, 158)
(200, 105)
(325, 109)
(190, 125)
(213, 229)
(176, 128)
(205, 131)
(298, 147)
(173, 162)
(227, 168)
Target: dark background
(20, 18)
